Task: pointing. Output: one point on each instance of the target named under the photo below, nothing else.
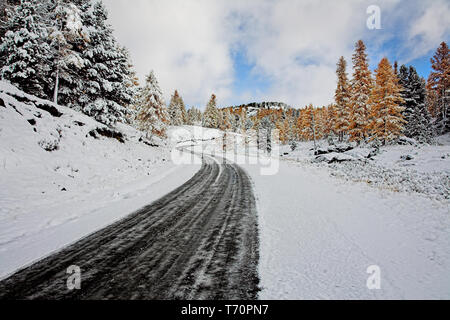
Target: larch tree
(175, 109)
(438, 87)
(226, 123)
(361, 86)
(211, 114)
(305, 123)
(284, 130)
(341, 109)
(152, 115)
(385, 101)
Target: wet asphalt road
(198, 242)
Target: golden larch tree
(361, 86)
(438, 88)
(386, 120)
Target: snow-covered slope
(63, 175)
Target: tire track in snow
(198, 242)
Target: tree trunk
(55, 93)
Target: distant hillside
(252, 108)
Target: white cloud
(430, 29)
(294, 44)
(185, 43)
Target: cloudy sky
(266, 50)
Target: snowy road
(198, 242)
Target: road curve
(198, 242)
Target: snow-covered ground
(320, 233)
(49, 199)
(422, 169)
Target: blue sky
(265, 50)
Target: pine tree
(385, 102)
(265, 134)
(175, 110)
(153, 116)
(107, 74)
(418, 121)
(194, 116)
(409, 103)
(65, 50)
(211, 114)
(6, 9)
(361, 86)
(341, 111)
(68, 39)
(438, 87)
(183, 111)
(25, 54)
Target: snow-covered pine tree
(68, 39)
(211, 114)
(152, 114)
(6, 9)
(418, 121)
(131, 83)
(26, 54)
(409, 103)
(106, 74)
(194, 116)
(175, 111)
(385, 102)
(361, 86)
(265, 134)
(183, 110)
(438, 87)
(190, 117)
(235, 119)
(421, 127)
(341, 110)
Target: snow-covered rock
(334, 157)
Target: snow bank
(63, 175)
